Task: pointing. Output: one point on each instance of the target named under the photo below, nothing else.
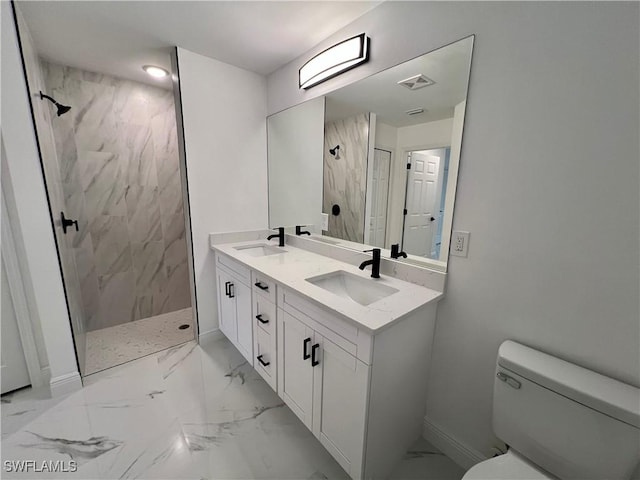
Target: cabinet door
(226, 306)
(295, 374)
(242, 295)
(340, 404)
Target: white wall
(224, 114)
(295, 146)
(548, 187)
(32, 215)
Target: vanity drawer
(264, 313)
(265, 361)
(264, 285)
(243, 273)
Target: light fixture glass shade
(157, 72)
(334, 61)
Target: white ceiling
(118, 37)
(380, 93)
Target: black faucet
(299, 230)
(374, 262)
(280, 236)
(395, 251)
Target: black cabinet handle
(314, 349)
(66, 223)
(305, 344)
(262, 362)
(232, 292)
(261, 320)
(261, 287)
(226, 288)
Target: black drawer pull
(226, 288)
(232, 293)
(262, 362)
(261, 286)
(314, 349)
(261, 320)
(305, 344)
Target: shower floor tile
(116, 345)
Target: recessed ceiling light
(415, 111)
(416, 82)
(154, 71)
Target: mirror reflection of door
(424, 202)
(379, 197)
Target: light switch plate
(325, 222)
(459, 243)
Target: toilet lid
(509, 466)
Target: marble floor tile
(115, 345)
(189, 412)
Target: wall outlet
(459, 243)
(325, 221)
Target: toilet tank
(570, 421)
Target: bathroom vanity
(347, 353)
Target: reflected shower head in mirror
(335, 151)
(62, 109)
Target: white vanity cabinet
(325, 386)
(362, 395)
(361, 391)
(234, 304)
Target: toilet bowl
(510, 466)
(561, 421)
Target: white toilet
(560, 420)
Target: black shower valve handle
(66, 223)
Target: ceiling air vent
(416, 82)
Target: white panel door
(242, 294)
(226, 306)
(14, 371)
(422, 201)
(379, 197)
(295, 374)
(339, 404)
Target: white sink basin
(261, 250)
(347, 285)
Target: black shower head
(62, 109)
(335, 152)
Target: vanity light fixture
(334, 60)
(157, 72)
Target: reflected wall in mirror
(390, 156)
(294, 150)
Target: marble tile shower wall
(118, 157)
(345, 180)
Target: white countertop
(292, 267)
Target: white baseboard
(210, 336)
(453, 448)
(69, 383)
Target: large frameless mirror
(390, 156)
